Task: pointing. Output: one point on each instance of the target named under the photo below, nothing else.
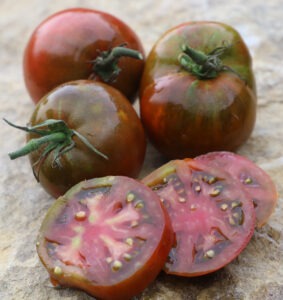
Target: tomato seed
(248, 180)
(215, 192)
(197, 188)
(193, 207)
(127, 256)
(58, 271)
(134, 224)
(139, 204)
(236, 204)
(81, 215)
(182, 199)
(117, 265)
(109, 260)
(130, 241)
(209, 254)
(224, 206)
(130, 197)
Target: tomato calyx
(105, 66)
(204, 66)
(57, 137)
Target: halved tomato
(212, 218)
(109, 237)
(254, 181)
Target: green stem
(106, 64)
(203, 66)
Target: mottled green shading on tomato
(204, 36)
(102, 115)
(212, 218)
(64, 45)
(256, 183)
(108, 236)
(184, 115)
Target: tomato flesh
(211, 217)
(107, 236)
(254, 181)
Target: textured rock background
(258, 272)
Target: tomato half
(75, 44)
(95, 111)
(198, 90)
(212, 218)
(254, 181)
(109, 237)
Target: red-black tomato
(198, 92)
(212, 218)
(76, 44)
(81, 130)
(108, 236)
(256, 183)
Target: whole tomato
(198, 90)
(80, 43)
(70, 140)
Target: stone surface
(258, 272)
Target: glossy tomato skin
(184, 115)
(63, 46)
(256, 183)
(108, 236)
(102, 115)
(212, 218)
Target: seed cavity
(116, 265)
(58, 271)
(80, 215)
(209, 253)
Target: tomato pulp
(255, 182)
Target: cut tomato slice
(212, 218)
(254, 181)
(109, 237)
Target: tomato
(109, 237)
(76, 44)
(93, 132)
(254, 181)
(212, 218)
(198, 90)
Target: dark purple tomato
(76, 44)
(198, 92)
(82, 130)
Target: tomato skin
(184, 115)
(256, 183)
(93, 274)
(62, 47)
(102, 115)
(212, 218)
